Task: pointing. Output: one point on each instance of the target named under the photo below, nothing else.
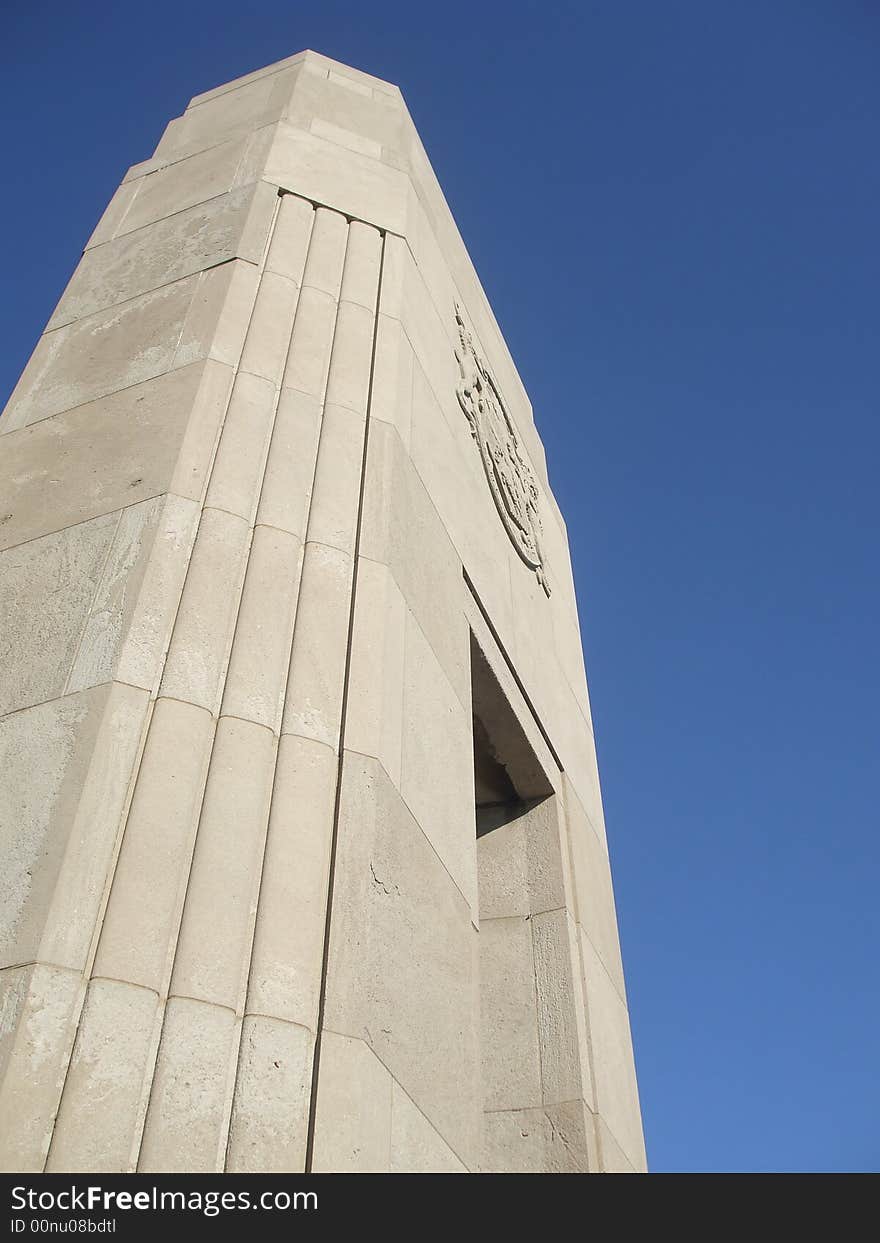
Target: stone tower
(304, 863)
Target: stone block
(502, 864)
(363, 262)
(564, 1069)
(285, 971)
(268, 335)
(313, 705)
(511, 1061)
(265, 72)
(346, 138)
(557, 1140)
(202, 636)
(374, 717)
(47, 587)
(74, 599)
(39, 1007)
(230, 113)
(101, 1108)
(241, 453)
(143, 913)
(401, 529)
(430, 326)
(391, 400)
(437, 764)
(521, 863)
(188, 1110)
(156, 593)
(232, 226)
(67, 767)
(103, 353)
(183, 184)
(348, 112)
(416, 1146)
(213, 946)
(257, 676)
(308, 359)
(290, 465)
(114, 214)
(348, 381)
(613, 1158)
(354, 79)
(108, 455)
(116, 597)
(44, 756)
(547, 855)
(448, 464)
(402, 972)
(353, 1132)
(617, 1097)
(352, 182)
(326, 254)
(267, 1133)
(291, 237)
(219, 314)
(333, 512)
(594, 894)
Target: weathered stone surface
(140, 925)
(374, 721)
(557, 1140)
(285, 972)
(203, 631)
(290, 466)
(104, 456)
(361, 186)
(233, 226)
(437, 767)
(416, 1147)
(213, 945)
(594, 895)
(183, 184)
(48, 587)
(257, 673)
(67, 765)
(353, 1134)
(103, 353)
(612, 1156)
(39, 1006)
(229, 113)
(315, 687)
(100, 1112)
(511, 1071)
(617, 1098)
(184, 1129)
(401, 529)
(241, 454)
(267, 1132)
(402, 970)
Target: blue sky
(673, 208)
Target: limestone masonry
(304, 862)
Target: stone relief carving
(510, 477)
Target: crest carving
(510, 477)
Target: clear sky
(674, 210)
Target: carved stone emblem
(510, 477)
